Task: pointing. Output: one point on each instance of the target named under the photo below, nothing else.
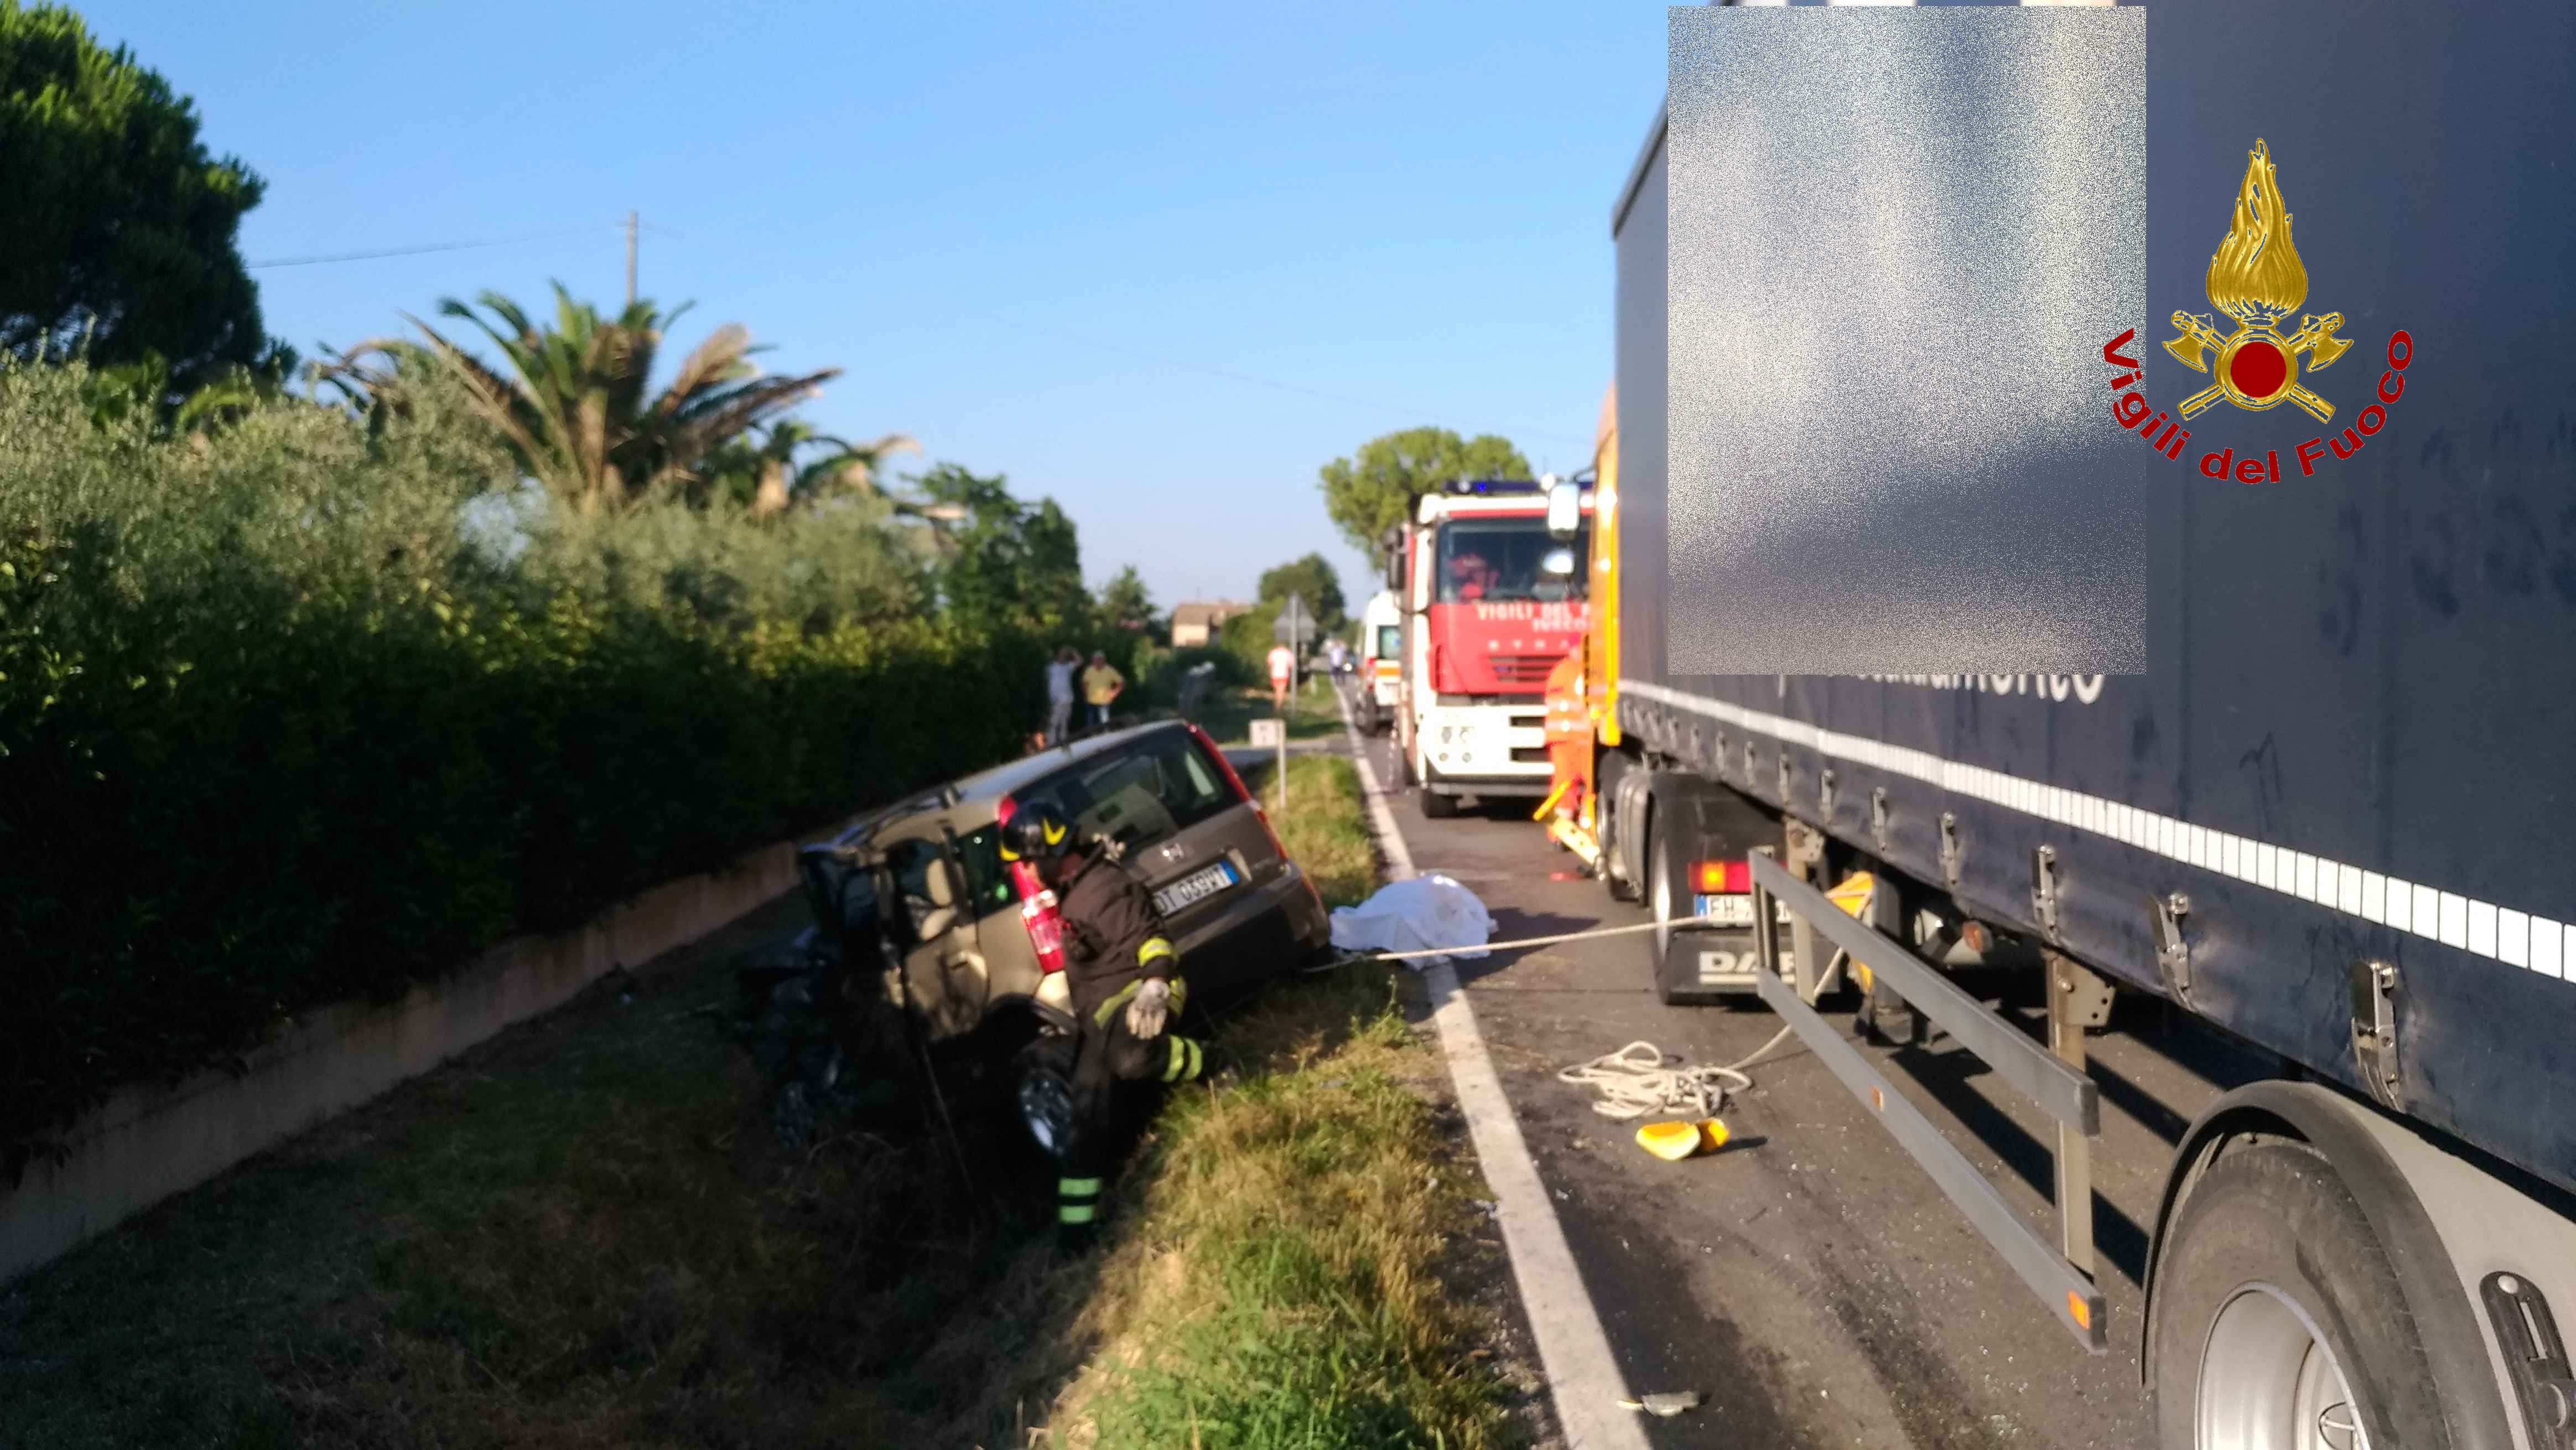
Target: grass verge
(1325, 827)
(1279, 1284)
(583, 1234)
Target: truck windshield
(1496, 561)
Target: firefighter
(1127, 989)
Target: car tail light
(1038, 914)
(1721, 878)
(1241, 794)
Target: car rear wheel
(1435, 806)
(1042, 1094)
(2279, 1322)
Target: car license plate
(1197, 886)
(1726, 910)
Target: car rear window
(1156, 788)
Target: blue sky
(1034, 236)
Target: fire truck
(1490, 587)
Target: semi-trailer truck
(2329, 821)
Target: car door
(943, 965)
(1010, 959)
(1193, 841)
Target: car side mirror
(1564, 510)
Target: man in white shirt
(1283, 665)
(1059, 674)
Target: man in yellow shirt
(1101, 684)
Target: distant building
(1197, 624)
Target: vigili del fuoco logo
(2256, 281)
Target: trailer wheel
(2278, 1321)
(1606, 810)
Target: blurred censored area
(1898, 237)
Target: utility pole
(630, 259)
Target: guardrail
(2060, 1274)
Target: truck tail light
(1721, 878)
(1038, 914)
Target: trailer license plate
(1197, 886)
(1726, 910)
(1736, 910)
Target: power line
(420, 251)
(1259, 382)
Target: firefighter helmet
(1036, 833)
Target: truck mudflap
(2060, 1274)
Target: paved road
(1810, 1281)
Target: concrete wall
(147, 1143)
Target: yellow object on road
(1853, 897)
(1675, 1141)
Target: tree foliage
(1317, 581)
(575, 405)
(1005, 563)
(1366, 495)
(792, 465)
(1247, 638)
(120, 225)
(1125, 603)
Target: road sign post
(1274, 733)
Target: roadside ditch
(590, 1231)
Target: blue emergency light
(1494, 485)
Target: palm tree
(781, 482)
(574, 406)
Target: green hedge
(274, 735)
(1158, 671)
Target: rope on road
(1539, 941)
(1642, 1078)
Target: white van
(1381, 660)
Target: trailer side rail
(2066, 1095)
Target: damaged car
(923, 932)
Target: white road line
(1573, 1351)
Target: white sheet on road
(1414, 915)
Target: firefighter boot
(1077, 1214)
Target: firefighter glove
(1146, 1010)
